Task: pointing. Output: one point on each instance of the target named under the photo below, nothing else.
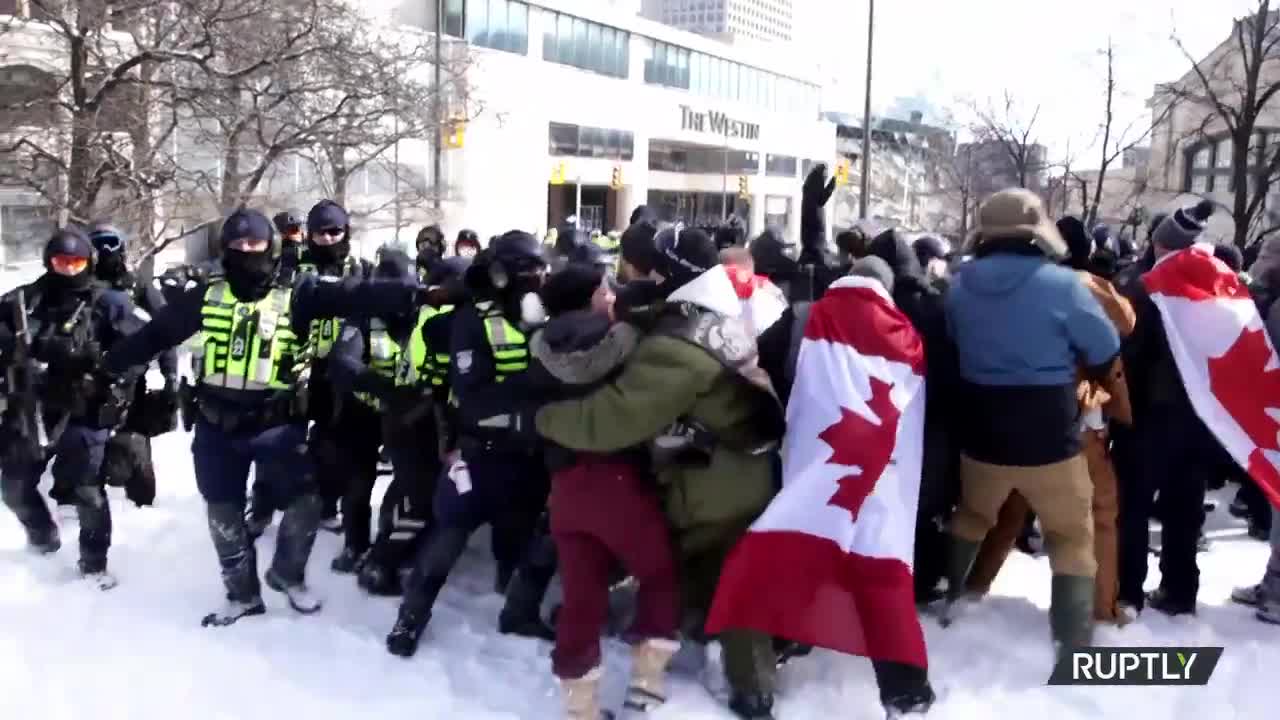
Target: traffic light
(744, 189)
(616, 182)
(455, 131)
(558, 173)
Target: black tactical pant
(406, 514)
(77, 470)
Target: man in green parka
(694, 393)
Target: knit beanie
(638, 246)
(570, 288)
(1181, 229)
(875, 268)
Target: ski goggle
(68, 265)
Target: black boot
(404, 635)
(293, 548)
(522, 613)
(348, 561)
(378, 580)
(752, 706)
(239, 565)
(44, 542)
(1162, 601)
(95, 535)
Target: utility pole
(438, 139)
(866, 116)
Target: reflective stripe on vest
(384, 357)
(323, 332)
(414, 366)
(510, 346)
(246, 346)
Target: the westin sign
(718, 123)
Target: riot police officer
(129, 461)
(430, 247)
(327, 257)
(290, 224)
(497, 477)
(67, 408)
(250, 364)
(417, 428)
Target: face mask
(250, 274)
(466, 251)
(532, 312)
(334, 253)
(111, 266)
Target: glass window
(1223, 157)
(623, 61)
(656, 67)
(549, 38)
(498, 36)
(697, 73)
(563, 139)
(628, 145)
(726, 82)
(478, 23)
(595, 50)
(453, 13)
(518, 28)
(564, 39)
(581, 46)
(1200, 184)
(682, 69)
(1201, 158)
(609, 51)
(780, 165)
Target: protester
(1022, 325)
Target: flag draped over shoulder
(829, 562)
(1227, 363)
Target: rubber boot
(1071, 613)
(293, 548)
(960, 557)
(582, 696)
(95, 528)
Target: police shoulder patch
(463, 361)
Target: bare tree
(1234, 87)
(957, 182)
(1002, 125)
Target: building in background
(729, 20)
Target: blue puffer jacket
(1023, 327)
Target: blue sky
(937, 53)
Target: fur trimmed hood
(583, 348)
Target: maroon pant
(605, 513)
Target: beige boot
(648, 687)
(582, 696)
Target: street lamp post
(866, 116)
(437, 159)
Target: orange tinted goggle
(68, 264)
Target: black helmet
(69, 241)
(287, 219)
(518, 251)
(106, 238)
(467, 237)
(247, 223)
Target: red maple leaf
(854, 440)
(1241, 381)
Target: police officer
(128, 460)
(327, 257)
(497, 477)
(467, 245)
(249, 362)
(417, 429)
(430, 247)
(291, 226)
(68, 320)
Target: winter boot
(404, 635)
(378, 580)
(1071, 613)
(95, 530)
(582, 696)
(1269, 611)
(788, 650)
(1162, 601)
(44, 542)
(348, 561)
(239, 565)
(95, 573)
(960, 557)
(521, 615)
(752, 706)
(293, 547)
(647, 689)
(910, 706)
(1251, 595)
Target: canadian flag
(829, 561)
(1227, 363)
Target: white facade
(502, 176)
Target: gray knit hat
(1181, 229)
(876, 269)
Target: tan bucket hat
(1019, 213)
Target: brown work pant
(1001, 538)
(1060, 494)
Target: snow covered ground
(138, 652)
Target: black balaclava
(69, 241)
(1080, 245)
(110, 246)
(329, 214)
(251, 275)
